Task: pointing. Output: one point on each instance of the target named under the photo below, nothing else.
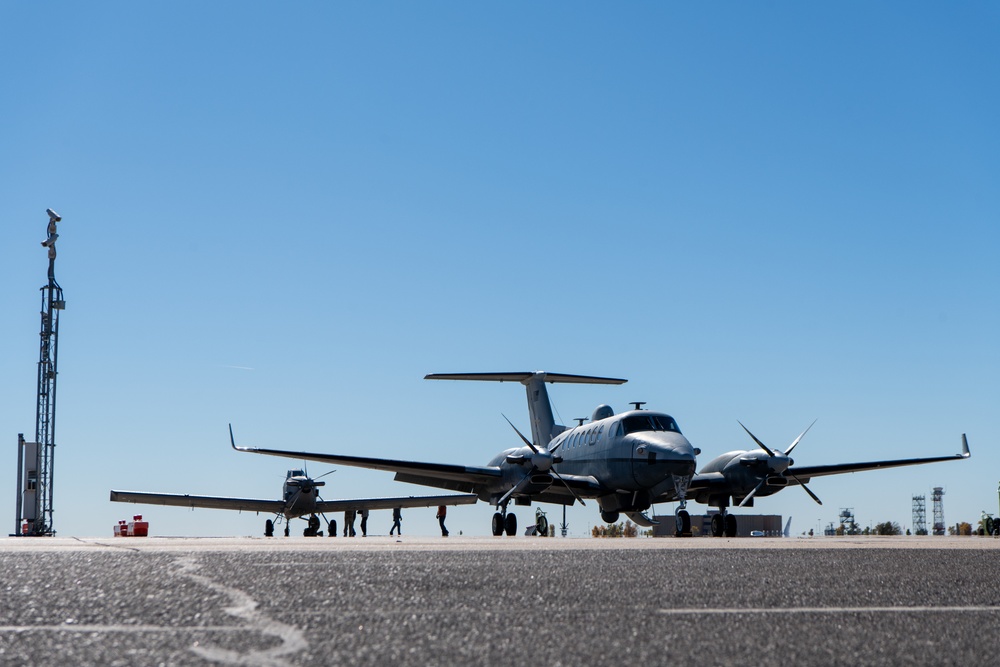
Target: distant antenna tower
(938, 497)
(919, 515)
(35, 460)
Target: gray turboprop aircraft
(747, 474)
(300, 498)
(623, 461)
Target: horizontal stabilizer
(523, 377)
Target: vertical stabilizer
(543, 424)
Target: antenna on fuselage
(580, 420)
(638, 404)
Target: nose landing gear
(682, 523)
(682, 520)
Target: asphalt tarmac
(499, 601)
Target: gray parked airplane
(623, 461)
(743, 475)
(300, 498)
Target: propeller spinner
(777, 466)
(541, 460)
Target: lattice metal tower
(938, 497)
(919, 515)
(847, 521)
(36, 460)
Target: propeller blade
(526, 441)
(759, 443)
(805, 488)
(568, 487)
(757, 488)
(514, 489)
(290, 503)
(327, 473)
(792, 446)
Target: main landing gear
(723, 523)
(269, 527)
(504, 523)
(311, 530)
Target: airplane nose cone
(673, 456)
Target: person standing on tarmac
(397, 516)
(364, 523)
(442, 512)
(349, 516)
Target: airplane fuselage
(300, 494)
(633, 456)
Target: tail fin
(788, 528)
(543, 424)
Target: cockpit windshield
(651, 422)
(294, 473)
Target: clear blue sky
(284, 217)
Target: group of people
(350, 516)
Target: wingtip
(965, 447)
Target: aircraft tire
(610, 517)
(510, 525)
(333, 527)
(683, 528)
(268, 528)
(730, 525)
(286, 528)
(497, 524)
(542, 527)
(718, 525)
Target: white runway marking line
(829, 610)
(245, 607)
(126, 629)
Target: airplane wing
(440, 475)
(716, 482)
(210, 502)
(390, 503)
(805, 473)
(278, 507)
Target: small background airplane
(300, 498)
